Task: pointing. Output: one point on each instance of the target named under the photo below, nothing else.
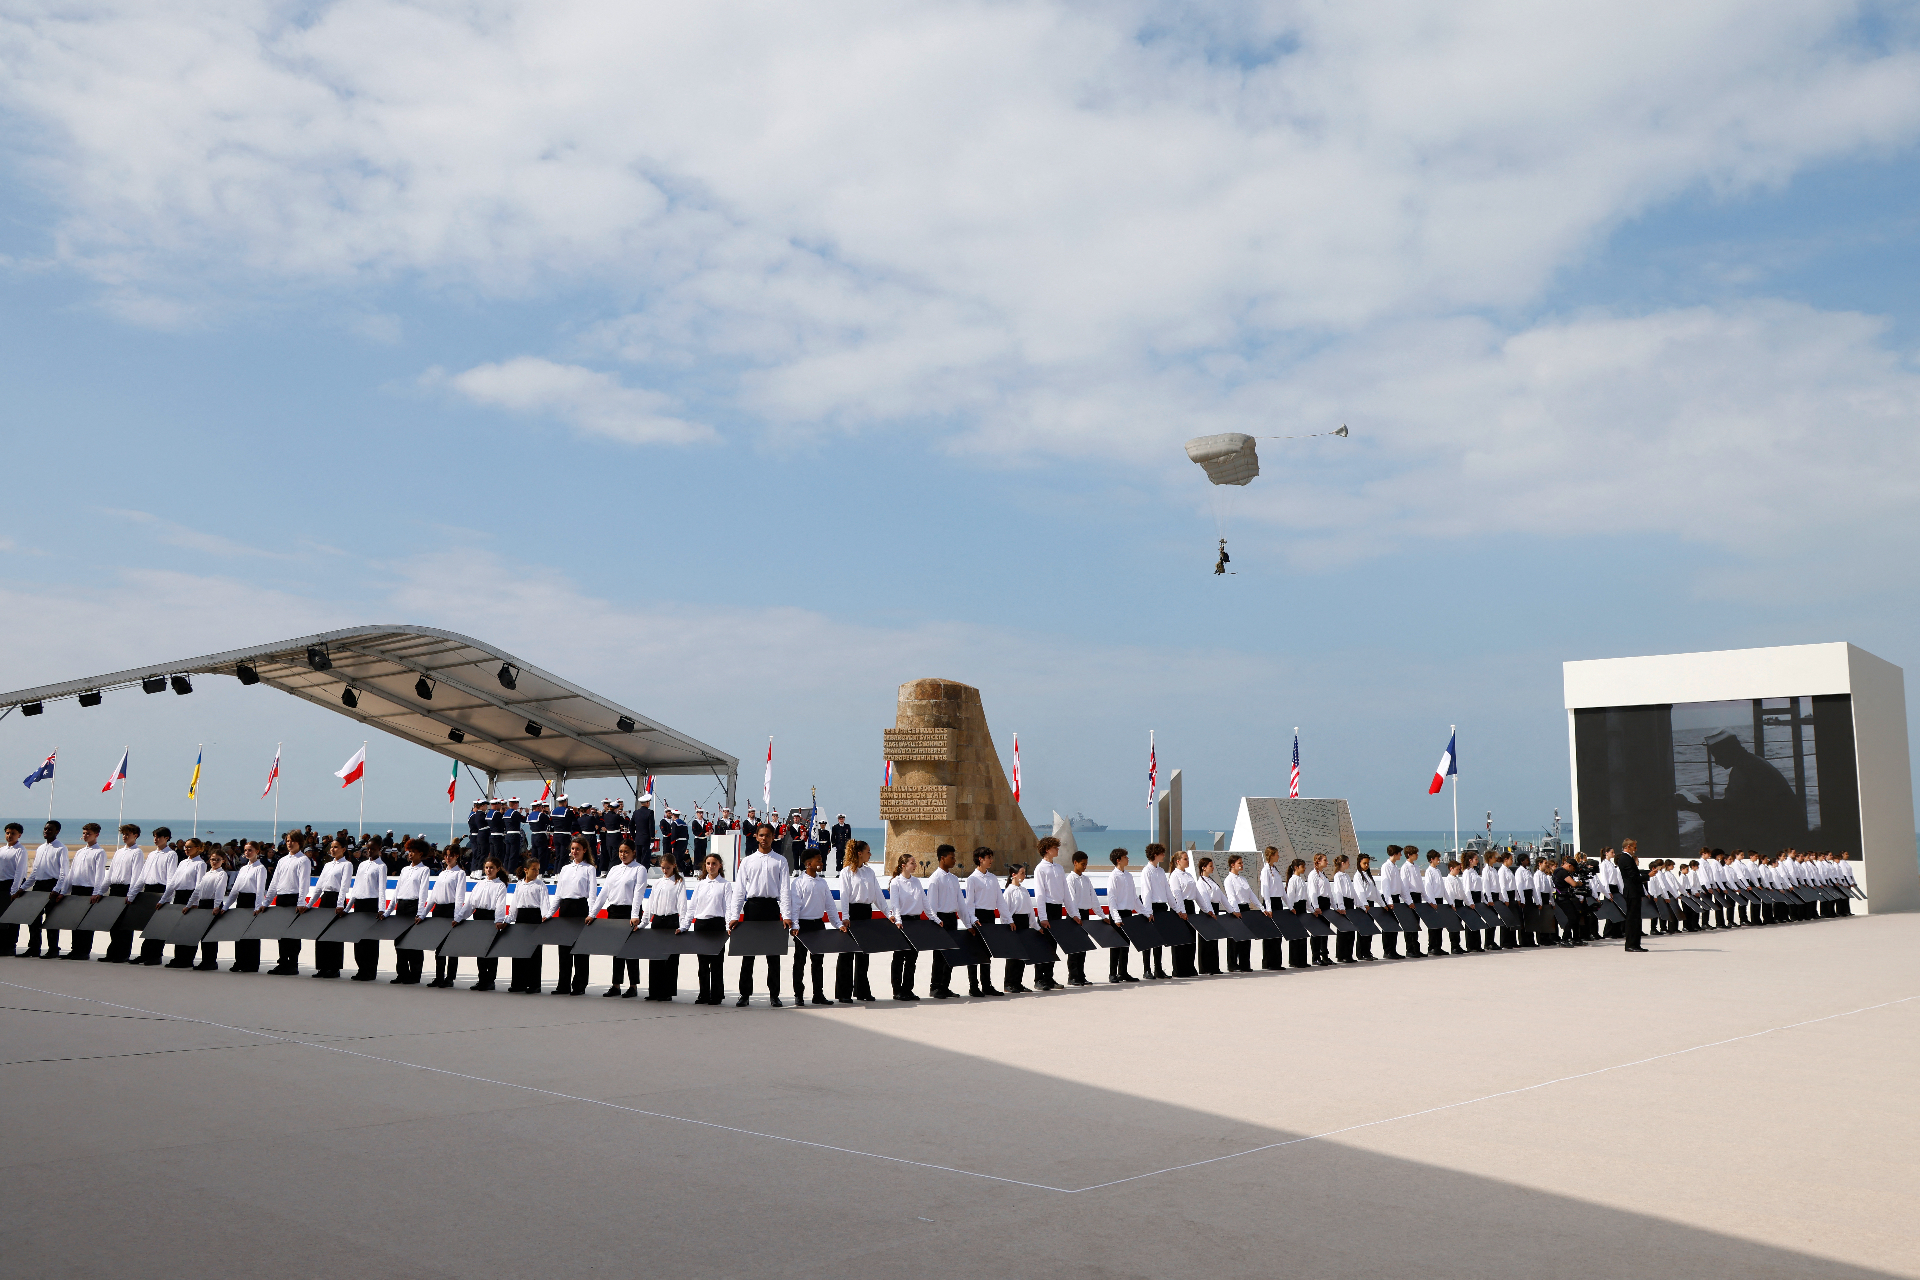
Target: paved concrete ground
(1734, 1104)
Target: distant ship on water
(1079, 822)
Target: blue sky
(744, 368)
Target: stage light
(318, 658)
(509, 675)
(154, 684)
(247, 674)
(31, 708)
(533, 729)
(349, 698)
(181, 685)
(624, 724)
(424, 688)
(90, 698)
(455, 735)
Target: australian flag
(44, 771)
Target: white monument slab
(1298, 828)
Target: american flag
(1293, 783)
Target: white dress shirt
(370, 881)
(625, 885)
(1457, 887)
(1123, 893)
(1240, 893)
(449, 888)
(86, 869)
(1015, 900)
(1050, 886)
(335, 876)
(185, 876)
(1296, 890)
(13, 867)
(906, 898)
(1157, 887)
(50, 863)
(812, 899)
(1318, 887)
(488, 895)
(1273, 883)
(157, 870)
(1182, 889)
(251, 878)
(860, 886)
(983, 894)
(943, 892)
(1366, 890)
(668, 897)
(1080, 893)
(1434, 883)
(532, 894)
(710, 899)
(124, 867)
(574, 881)
(1342, 889)
(763, 875)
(210, 890)
(411, 886)
(290, 875)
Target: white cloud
(594, 403)
(175, 534)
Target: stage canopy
(448, 693)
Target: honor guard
(643, 827)
(540, 835)
(479, 843)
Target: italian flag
(453, 782)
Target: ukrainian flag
(193, 786)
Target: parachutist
(1220, 565)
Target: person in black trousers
(1632, 886)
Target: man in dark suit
(643, 829)
(1626, 860)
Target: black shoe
(1017, 989)
(610, 992)
(820, 999)
(631, 992)
(1078, 982)
(741, 1003)
(559, 991)
(1127, 977)
(481, 986)
(907, 996)
(991, 991)
(944, 995)
(775, 1001)
(108, 959)
(364, 977)
(177, 964)
(206, 967)
(281, 971)
(1642, 950)
(394, 982)
(973, 991)
(1115, 981)
(866, 999)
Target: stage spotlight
(31, 708)
(90, 699)
(624, 724)
(424, 688)
(247, 674)
(181, 685)
(154, 684)
(509, 675)
(349, 698)
(318, 658)
(533, 729)
(455, 735)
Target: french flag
(1448, 767)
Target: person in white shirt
(1366, 896)
(286, 888)
(944, 903)
(1016, 902)
(180, 891)
(447, 900)
(1206, 901)
(812, 912)
(1433, 889)
(531, 905)
(1083, 901)
(1181, 897)
(210, 893)
(490, 900)
(1273, 900)
(906, 900)
(621, 894)
(1050, 902)
(49, 869)
(573, 894)
(859, 900)
(13, 882)
(1240, 901)
(665, 910)
(707, 913)
(1454, 885)
(1123, 900)
(983, 898)
(123, 881)
(1296, 902)
(1319, 902)
(368, 894)
(248, 893)
(86, 878)
(329, 893)
(1343, 909)
(760, 888)
(410, 902)
(1390, 894)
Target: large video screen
(1764, 774)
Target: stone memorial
(1298, 828)
(948, 787)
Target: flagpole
(1452, 732)
(363, 788)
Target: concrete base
(1733, 1104)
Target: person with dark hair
(86, 871)
(248, 893)
(1123, 900)
(1240, 900)
(760, 888)
(812, 911)
(840, 834)
(447, 900)
(1206, 901)
(530, 905)
(707, 913)
(1433, 885)
(1342, 902)
(287, 887)
(622, 895)
(1366, 896)
(480, 832)
(859, 900)
(409, 902)
(1296, 902)
(1158, 896)
(368, 894)
(1083, 902)
(945, 903)
(1017, 909)
(906, 900)
(572, 892)
(209, 892)
(1053, 901)
(329, 893)
(13, 882)
(122, 881)
(1183, 895)
(1319, 902)
(665, 910)
(1632, 885)
(1272, 900)
(49, 869)
(490, 901)
(983, 897)
(180, 890)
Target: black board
(928, 935)
(1071, 936)
(1207, 926)
(309, 925)
(472, 938)
(518, 942)
(104, 913)
(1141, 933)
(230, 927)
(355, 926)
(69, 912)
(271, 923)
(827, 942)
(562, 931)
(757, 938)
(427, 935)
(608, 937)
(877, 933)
(1106, 934)
(160, 924)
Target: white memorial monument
(1298, 828)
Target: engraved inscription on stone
(916, 804)
(1298, 828)
(920, 744)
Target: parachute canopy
(1229, 458)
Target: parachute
(1229, 458)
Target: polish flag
(353, 770)
(1016, 768)
(766, 783)
(1448, 767)
(119, 774)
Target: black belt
(482, 913)
(859, 911)
(620, 912)
(573, 908)
(45, 886)
(443, 911)
(367, 904)
(667, 922)
(527, 915)
(243, 900)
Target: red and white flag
(353, 770)
(766, 783)
(119, 773)
(1293, 782)
(1449, 766)
(546, 792)
(273, 774)
(1016, 768)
